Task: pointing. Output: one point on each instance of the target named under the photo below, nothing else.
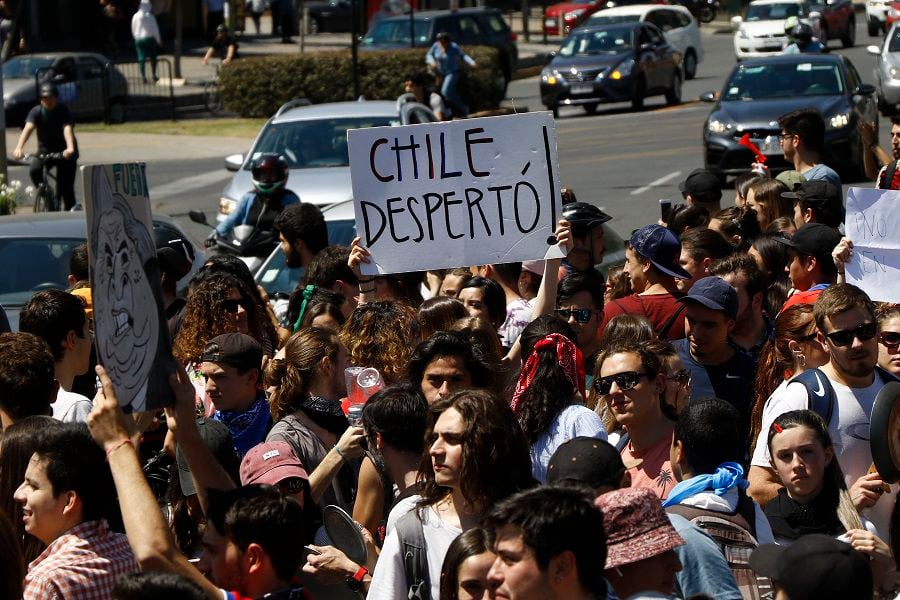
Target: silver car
(887, 70)
(88, 84)
(313, 141)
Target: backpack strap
(664, 331)
(888, 176)
(622, 442)
(415, 561)
(819, 392)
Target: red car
(892, 15)
(576, 13)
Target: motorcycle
(250, 244)
(703, 10)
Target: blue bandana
(727, 476)
(248, 427)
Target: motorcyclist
(803, 41)
(260, 206)
(587, 233)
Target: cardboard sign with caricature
(130, 332)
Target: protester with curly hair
(382, 335)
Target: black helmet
(49, 89)
(221, 29)
(802, 33)
(583, 217)
(270, 173)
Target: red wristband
(119, 445)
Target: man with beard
(302, 233)
(846, 327)
(753, 327)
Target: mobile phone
(311, 550)
(665, 209)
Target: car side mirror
(864, 89)
(708, 97)
(197, 217)
(873, 50)
(233, 162)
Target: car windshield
(33, 264)
(772, 12)
(784, 80)
(601, 19)
(314, 144)
(396, 31)
(605, 41)
(24, 67)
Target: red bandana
(569, 357)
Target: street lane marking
(658, 182)
(186, 184)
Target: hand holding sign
(874, 261)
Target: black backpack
(820, 394)
(415, 560)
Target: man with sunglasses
(579, 302)
(812, 268)
(845, 320)
(232, 368)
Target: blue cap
(715, 293)
(661, 248)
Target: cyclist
(56, 134)
(223, 45)
(260, 206)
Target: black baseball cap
(175, 257)
(660, 246)
(217, 437)
(813, 239)
(702, 185)
(814, 190)
(235, 349)
(715, 293)
(815, 567)
(587, 461)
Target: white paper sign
(458, 193)
(873, 223)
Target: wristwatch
(355, 583)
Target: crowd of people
(693, 424)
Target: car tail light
(512, 36)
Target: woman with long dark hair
(465, 569)
(549, 396)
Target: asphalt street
(621, 160)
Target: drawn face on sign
(124, 309)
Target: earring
(802, 361)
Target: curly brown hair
(496, 459)
(205, 317)
(382, 335)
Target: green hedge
(258, 86)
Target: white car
(761, 31)
(676, 22)
(876, 11)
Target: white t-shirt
(71, 407)
(573, 421)
(389, 578)
(849, 431)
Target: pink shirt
(655, 473)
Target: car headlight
(550, 77)
(227, 205)
(839, 121)
(894, 72)
(623, 70)
(717, 126)
(574, 14)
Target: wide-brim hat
(636, 526)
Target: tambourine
(884, 432)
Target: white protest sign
(458, 193)
(873, 223)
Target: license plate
(550, 23)
(582, 88)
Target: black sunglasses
(890, 338)
(291, 485)
(863, 332)
(682, 377)
(582, 315)
(231, 306)
(626, 380)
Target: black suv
(466, 26)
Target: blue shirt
(447, 61)
(240, 214)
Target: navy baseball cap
(715, 293)
(660, 246)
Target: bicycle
(45, 196)
(211, 96)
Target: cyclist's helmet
(48, 89)
(789, 25)
(802, 33)
(221, 29)
(583, 217)
(270, 173)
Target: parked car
(80, 76)
(576, 12)
(328, 16)
(761, 31)
(876, 14)
(759, 91)
(612, 63)
(675, 21)
(466, 26)
(35, 251)
(887, 71)
(313, 141)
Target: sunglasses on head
(682, 377)
(863, 332)
(231, 306)
(582, 315)
(625, 380)
(890, 338)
